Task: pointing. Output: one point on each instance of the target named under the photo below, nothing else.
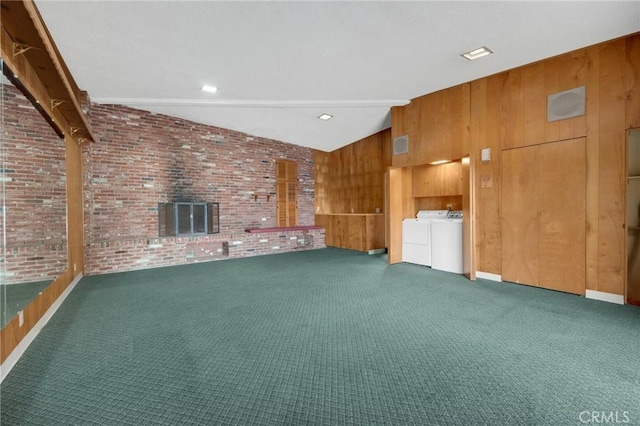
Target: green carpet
(324, 337)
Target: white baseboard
(605, 297)
(15, 355)
(488, 276)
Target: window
(286, 193)
(184, 218)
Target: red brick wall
(141, 159)
(33, 173)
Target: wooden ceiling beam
(30, 52)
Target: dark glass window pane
(198, 219)
(166, 220)
(184, 218)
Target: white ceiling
(279, 65)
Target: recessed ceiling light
(325, 116)
(210, 89)
(477, 53)
(435, 163)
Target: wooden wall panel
(593, 171)
(521, 215)
(503, 104)
(523, 101)
(612, 168)
(439, 203)
(401, 205)
(573, 71)
(376, 228)
(511, 109)
(437, 125)
(485, 130)
(321, 161)
(75, 210)
(534, 97)
(399, 128)
(562, 216)
(632, 79)
(362, 232)
(468, 210)
(351, 179)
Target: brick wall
(33, 174)
(141, 159)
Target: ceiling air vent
(567, 104)
(401, 145)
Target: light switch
(485, 154)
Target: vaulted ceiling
(279, 65)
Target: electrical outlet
(449, 206)
(74, 267)
(20, 318)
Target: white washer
(446, 243)
(416, 236)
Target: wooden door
(544, 215)
(563, 216)
(520, 215)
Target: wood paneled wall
(508, 110)
(401, 205)
(353, 231)
(351, 179)
(437, 126)
(632, 81)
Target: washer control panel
(455, 214)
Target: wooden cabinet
(543, 215)
(354, 231)
(437, 181)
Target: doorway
(633, 217)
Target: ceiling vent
(401, 145)
(567, 104)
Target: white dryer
(446, 243)
(416, 236)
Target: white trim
(259, 103)
(605, 297)
(488, 276)
(15, 355)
